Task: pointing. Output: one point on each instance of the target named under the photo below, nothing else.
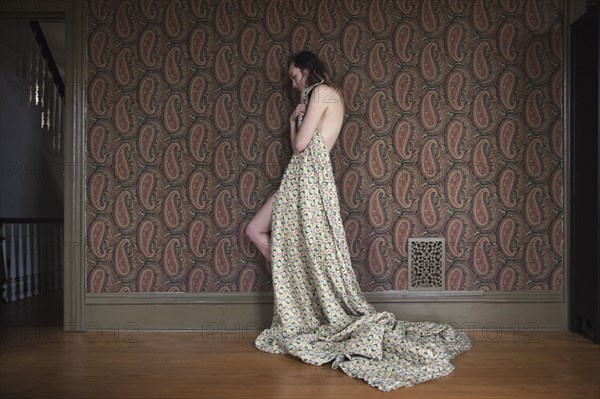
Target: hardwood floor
(45, 362)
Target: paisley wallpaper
(453, 129)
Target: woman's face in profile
(298, 77)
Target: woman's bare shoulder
(327, 94)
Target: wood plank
(42, 362)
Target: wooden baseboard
(253, 311)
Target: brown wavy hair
(317, 72)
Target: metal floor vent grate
(426, 269)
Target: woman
(309, 77)
(320, 314)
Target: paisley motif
(377, 258)
(173, 212)
(123, 121)
(124, 214)
(196, 236)
(376, 17)
(223, 70)
(249, 42)
(351, 188)
(429, 159)
(171, 258)
(376, 160)
(377, 209)
(378, 111)
(274, 19)
(482, 154)
(148, 9)
(404, 91)
(353, 88)
(456, 139)
(198, 97)
(172, 115)
(352, 42)
(222, 259)
(273, 164)
(148, 142)
(353, 227)
(99, 48)
(97, 93)
(404, 41)
(534, 154)
(483, 69)
(248, 140)
(273, 62)
(98, 235)
(224, 23)
(483, 211)
(150, 89)
(175, 21)
(508, 185)
(146, 280)
(534, 260)
(508, 40)
(377, 64)
(124, 20)
(147, 189)
(456, 35)
(197, 190)
(404, 134)
(455, 279)
(350, 139)
(429, 209)
(456, 90)
(507, 278)
(429, 111)
(98, 188)
(508, 131)
(173, 165)
(482, 113)
(196, 280)
(174, 70)
(508, 236)
(456, 182)
(404, 182)
(124, 68)
(430, 63)
(483, 258)
(403, 229)
(325, 21)
(456, 232)
(535, 66)
(97, 280)
(534, 203)
(97, 143)
(123, 259)
(198, 46)
(247, 279)
(147, 232)
(247, 188)
(197, 142)
(507, 92)
(124, 164)
(149, 46)
(273, 111)
(224, 163)
(223, 207)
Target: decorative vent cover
(426, 269)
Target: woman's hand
(299, 110)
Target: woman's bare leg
(259, 228)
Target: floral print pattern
(320, 313)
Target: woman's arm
(315, 110)
(299, 110)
